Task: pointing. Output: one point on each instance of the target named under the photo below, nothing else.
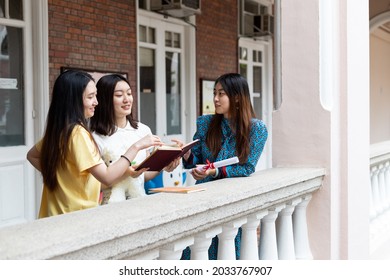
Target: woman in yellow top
(67, 156)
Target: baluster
(387, 184)
(381, 188)
(268, 249)
(372, 203)
(249, 243)
(174, 250)
(375, 190)
(301, 238)
(226, 246)
(284, 230)
(202, 241)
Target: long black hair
(103, 121)
(65, 112)
(240, 114)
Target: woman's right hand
(181, 144)
(148, 141)
(200, 173)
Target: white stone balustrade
(380, 200)
(160, 226)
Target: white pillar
(301, 238)
(249, 242)
(268, 249)
(173, 251)
(226, 246)
(284, 231)
(202, 241)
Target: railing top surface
(379, 149)
(50, 237)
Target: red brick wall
(93, 35)
(216, 40)
(101, 35)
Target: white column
(249, 242)
(268, 249)
(173, 251)
(301, 238)
(226, 246)
(284, 231)
(202, 241)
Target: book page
(178, 189)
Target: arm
(113, 174)
(34, 156)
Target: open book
(164, 155)
(178, 189)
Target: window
(256, 19)
(160, 77)
(12, 132)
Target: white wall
(301, 127)
(379, 87)
(305, 134)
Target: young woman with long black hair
(67, 155)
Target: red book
(164, 155)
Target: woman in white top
(114, 130)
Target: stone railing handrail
(379, 152)
(138, 227)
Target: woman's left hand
(131, 171)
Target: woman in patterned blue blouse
(232, 131)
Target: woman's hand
(172, 166)
(131, 171)
(181, 144)
(148, 141)
(200, 174)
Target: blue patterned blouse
(200, 153)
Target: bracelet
(216, 173)
(126, 158)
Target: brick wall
(101, 35)
(93, 35)
(217, 40)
